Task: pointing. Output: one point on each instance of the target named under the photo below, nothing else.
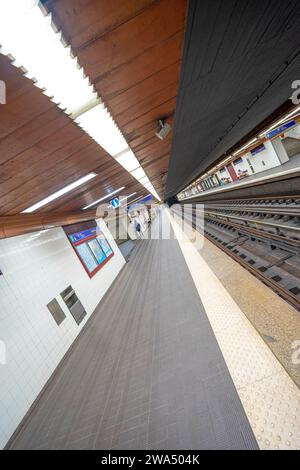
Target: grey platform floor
(146, 372)
(127, 247)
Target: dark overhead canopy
(239, 61)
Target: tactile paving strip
(270, 398)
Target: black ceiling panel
(239, 61)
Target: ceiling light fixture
(128, 160)
(292, 113)
(98, 123)
(138, 173)
(36, 47)
(39, 48)
(144, 180)
(127, 197)
(154, 193)
(137, 199)
(103, 198)
(277, 123)
(60, 193)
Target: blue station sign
(79, 236)
(115, 203)
(280, 129)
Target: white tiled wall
(36, 268)
(242, 165)
(268, 156)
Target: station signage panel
(281, 129)
(92, 248)
(76, 237)
(115, 203)
(258, 149)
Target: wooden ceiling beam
(13, 225)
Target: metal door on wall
(232, 172)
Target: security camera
(164, 129)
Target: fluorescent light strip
(127, 197)
(245, 146)
(60, 193)
(137, 199)
(128, 160)
(123, 199)
(281, 121)
(103, 198)
(138, 173)
(271, 127)
(98, 123)
(296, 110)
(28, 35)
(144, 180)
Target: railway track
(263, 235)
(273, 186)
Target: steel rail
(227, 217)
(280, 290)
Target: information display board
(281, 129)
(87, 257)
(104, 244)
(92, 248)
(97, 251)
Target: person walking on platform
(137, 227)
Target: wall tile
(37, 269)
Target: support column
(280, 150)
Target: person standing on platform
(137, 227)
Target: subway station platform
(146, 372)
(289, 167)
(113, 340)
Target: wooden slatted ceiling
(131, 50)
(42, 150)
